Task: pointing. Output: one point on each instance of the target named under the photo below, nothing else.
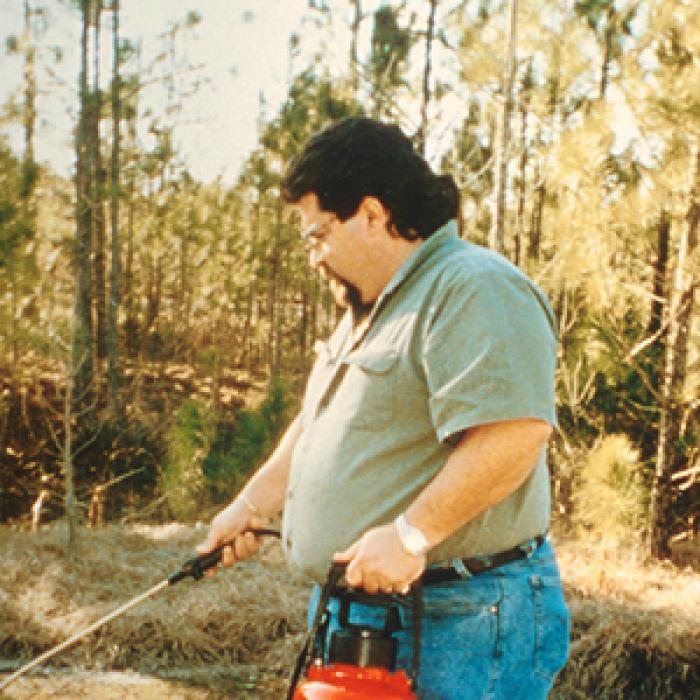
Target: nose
(317, 254)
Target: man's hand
(377, 562)
(228, 527)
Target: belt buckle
(530, 547)
(461, 569)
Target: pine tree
(114, 197)
(82, 360)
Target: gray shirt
(458, 338)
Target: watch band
(412, 539)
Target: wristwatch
(412, 539)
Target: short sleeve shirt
(460, 337)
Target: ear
(376, 215)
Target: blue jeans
(501, 635)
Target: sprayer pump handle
(196, 566)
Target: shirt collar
(446, 233)
(436, 241)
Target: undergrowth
(635, 624)
(209, 458)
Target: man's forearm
(266, 489)
(489, 463)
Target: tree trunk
(670, 452)
(99, 180)
(82, 335)
(660, 272)
(14, 310)
(99, 259)
(29, 115)
(248, 331)
(497, 232)
(154, 286)
(423, 129)
(313, 320)
(273, 294)
(524, 113)
(354, 60)
(303, 325)
(129, 303)
(70, 504)
(250, 341)
(22, 271)
(533, 248)
(533, 252)
(669, 421)
(114, 195)
(609, 37)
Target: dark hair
(359, 157)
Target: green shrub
(208, 461)
(236, 450)
(188, 443)
(241, 444)
(611, 500)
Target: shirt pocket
(368, 392)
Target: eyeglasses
(315, 233)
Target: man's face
(333, 247)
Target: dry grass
(636, 629)
(249, 620)
(636, 625)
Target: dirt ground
(192, 684)
(107, 686)
(232, 636)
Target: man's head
(359, 157)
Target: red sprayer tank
(347, 682)
(356, 662)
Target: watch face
(414, 543)
(412, 538)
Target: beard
(346, 294)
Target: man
(419, 451)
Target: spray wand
(194, 567)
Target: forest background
(157, 325)
(157, 322)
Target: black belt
(473, 566)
